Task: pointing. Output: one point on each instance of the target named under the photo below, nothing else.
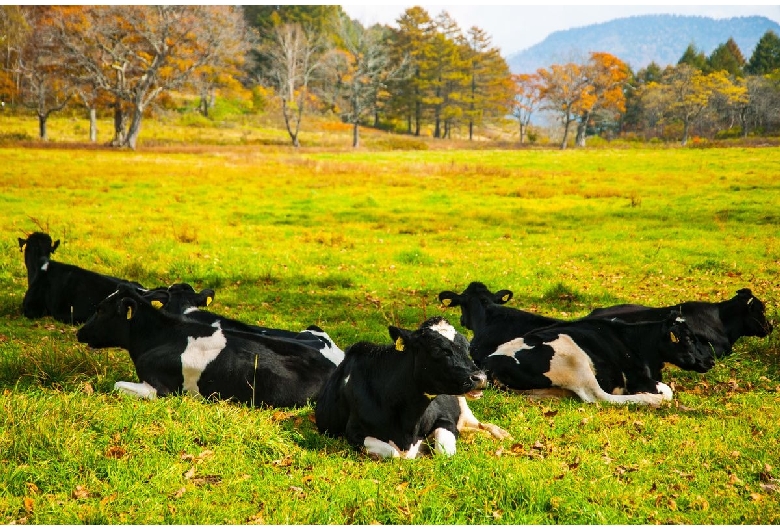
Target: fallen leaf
(756, 497)
(284, 462)
(80, 492)
(115, 452)
(28, 504)
(110, 498)
(32, 488)
(307, 479)
(281, 415)
(190, 473)
(179, 493)
(550, 413)
(770, 488)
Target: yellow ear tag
(155, 304)
(505, 298)
(446, 302)
(129, 313)
(674, 338)
(208, 301)
(399, 344)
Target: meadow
(354, 241)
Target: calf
(173, 354)
(37, 245)
(177, 299)
(493, 324)
(68, 293)
(388, 399)
(597, 358)
(718, 324)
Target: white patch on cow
(389, 449)
(444, 442)
(330, 351)
(189, 310)
(139, 390)
(346, 379)
(510, 348)
(679, 319)
(572, 368)
(664, 389)
(45, 266)
(468, 422)
(445, 329)
(198, 354)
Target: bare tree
(528, 97)
(291, 56)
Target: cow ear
(208, 296)
(502, 297)
(128, 307)
(22, 243)
(449, 299)
(400, 337)
(54, 246)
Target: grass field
(354, 241)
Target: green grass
(354, 242)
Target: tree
(45, 84)
(695, 58)
(528, 97)
(727, 57)
(293, 56)
(359, 71)
(491, 90)
(14, 32)
(136, 53)
(766, 55)
(605, 76)
(563, 88)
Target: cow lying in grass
(600, 360)
(388, 399)
(36, 246)
(181, 299)
(174, 354)
(718, 324)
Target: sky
(517, 27)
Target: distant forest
(422, 76)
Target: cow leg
(467, 421)
(378, 448)
(444, 441)
(139, 390)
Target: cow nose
(479, 379)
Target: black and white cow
(493, 324)
(68, 293)
(173, 354)
(718, 324)
(600, 359)
(388, 399)
(178, 299)
(37, 245)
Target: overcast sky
(517, 27)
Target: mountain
(638, 40)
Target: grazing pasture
(355, 242)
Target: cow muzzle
(478, 381)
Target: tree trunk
(135, 128)
(42, 126)
(471, 130)
(119, 125)
(355, 135)
(686, 126)
(417, 112)
(522, 133)
(582, 127)
(565, 135)
(93, 125)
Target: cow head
(472, 302)
(179, 298)
(754, 322)
(34, 303)
(680, 347)
(108, 326)
(442, 364)
(37, 245)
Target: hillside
(640, 40)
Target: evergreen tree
(727, 57)
(766, 56)
(695, 58)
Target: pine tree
(728, 58)
(693, 57)
(766, 56)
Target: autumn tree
(358, 70)
(292, 56)
(490, 88)
(605, 76)
(136, 53)
(14, 32)
(563, 88)
(528, 98)
(727, 57)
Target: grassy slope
(357, 241)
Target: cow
(600, 359)
(36, 246)
(181, 299)
(67, 292)
(389, 398)
(173, 354)
(718, 324)
(493, 324)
